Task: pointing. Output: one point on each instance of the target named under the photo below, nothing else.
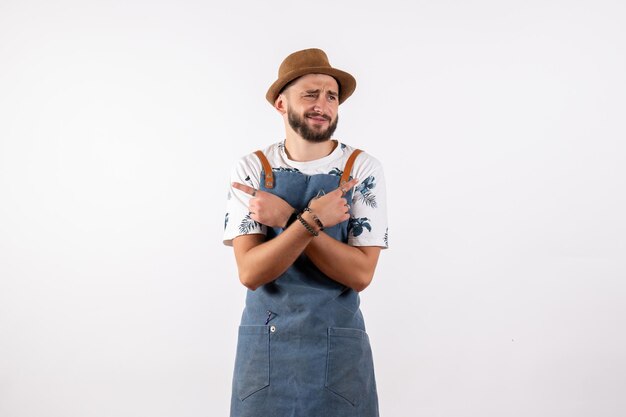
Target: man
(307, 221)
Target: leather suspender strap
(345, 177)
(269, 175)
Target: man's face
(312, 104)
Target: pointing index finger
(345, 187)
(245, 188)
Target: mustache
(313, 114)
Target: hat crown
(307, 58)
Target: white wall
(501, 127)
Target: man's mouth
(318, 118)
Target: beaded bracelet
(315, 218)
(307, 226)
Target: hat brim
(347, 83)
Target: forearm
(260, 262)
(351, 266)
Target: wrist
(316, 219)
(292, 218)
(306, 221)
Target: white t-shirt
(368, 213)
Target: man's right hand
(266, 208)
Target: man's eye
(331, 98)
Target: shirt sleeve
(368, 218)
(237, 221)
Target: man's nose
(320, 105)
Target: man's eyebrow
(331, 92)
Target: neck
(302, 150)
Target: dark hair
(287, 86)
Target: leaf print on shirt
(357, 225)
(247, 225)
(226, 221)
(386, 237)
(284, 169)
(249, 181)
(336, 171)
(364, 190)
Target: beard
(299, 125)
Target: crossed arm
(352, 266)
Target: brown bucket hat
(310, 61)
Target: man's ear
(280, 104)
